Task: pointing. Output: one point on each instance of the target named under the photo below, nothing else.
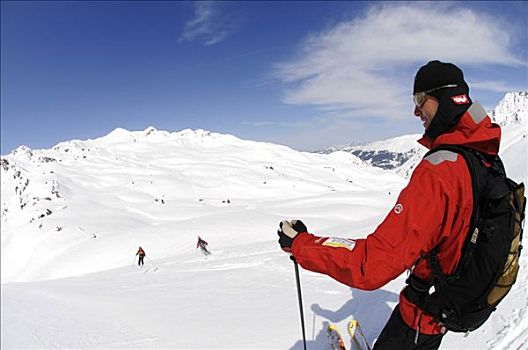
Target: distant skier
(203, 246)
(141, 254)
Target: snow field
(71, 226)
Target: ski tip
(352, 327)
(334, 338)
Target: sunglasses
(420, 97)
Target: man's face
(427, 111)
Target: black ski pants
(140, 261)
(396, 335)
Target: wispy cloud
(272, 123)
(495, 86)
(365, 67)
(259, 123)
(209, 24)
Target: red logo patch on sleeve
(460, 99)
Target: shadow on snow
(371, 308)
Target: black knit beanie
(436, 74)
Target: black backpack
(489, 262)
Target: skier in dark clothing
(203, 246)
(434, 210)
(141, 254)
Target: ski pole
(363, 335)
(298, 279)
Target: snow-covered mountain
(512, 109)
(400, 154)
(144, 183)
(85, 207)
(72, 218)
(403, 153)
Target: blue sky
(304, 74)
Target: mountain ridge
(144, 179)
(402, 153)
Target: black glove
(287, 232)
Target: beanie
(436, 74)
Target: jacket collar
(474, 130)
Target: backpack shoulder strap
(478, 171)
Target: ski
(358, 339)
(334, 338)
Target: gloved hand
(287, 232)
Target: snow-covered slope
(512, 114)
(73, 217)
(242, 297)
(63, 207)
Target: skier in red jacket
(434, 210)
(141, 254)
(203, 246)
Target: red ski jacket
(433, 210)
